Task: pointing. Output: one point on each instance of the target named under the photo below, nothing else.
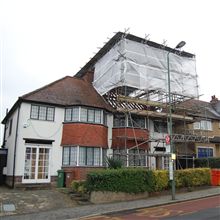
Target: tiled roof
(201, 108)
(66, 92)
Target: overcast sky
(44, 40)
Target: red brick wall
(77, 173)
(85, 134)
(140, 134)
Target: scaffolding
(132, 77)
(182, 115)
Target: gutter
(15, 147)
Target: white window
(75, 114)
(68, 114)
(73, 156)
(42, 113)
(91, 115)
(66, 156)
(97, 156)
(83, 114)
(88, 156)
(97, 116)
(203, 125)
(82, 156)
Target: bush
(161, 180)
(137, 180)
(208, 162)
(79, 186)
(114, 163)
(133, 180)
(192, 177)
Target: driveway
(29, 201)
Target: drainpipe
(15, 148)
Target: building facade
(69, 125)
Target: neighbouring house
(116, 105)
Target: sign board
(167, 139)
(171, 170)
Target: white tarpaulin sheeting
(138, 65)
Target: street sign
(167, 138)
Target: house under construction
(119, 104)
(131, 73)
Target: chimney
(215, 103)
(214, 99)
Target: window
(10, 126)
(136, 121)
(86, 115)
(120, 154)
(105, 118)
(75, 114)
(88, 156)
(137, 158)
(205, 152)
(70, 156)
(160, 126)
(68, 114)
(82, 156)
(119, 121)
(203, 125)
(91, 115)
(104, 157)
(98, 116)
(42, 113)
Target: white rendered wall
(37, 129)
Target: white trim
(36, 180)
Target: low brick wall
(107, 197)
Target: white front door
(36, 168)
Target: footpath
(78, 212)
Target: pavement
(74, 212)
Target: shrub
(133, 180)
(114, 163)
(79, 186)
(160, 180)
(192, 177)
(211, 162)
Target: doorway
(36, 168)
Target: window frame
(38, 112)
(83, 159)
(90, 115)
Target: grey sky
(44, 40)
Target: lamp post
(171, 169)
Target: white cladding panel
(141, 66)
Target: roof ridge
(46, 86)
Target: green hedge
(208, 162)
(121, 180)
(140, 180)
(160, 180)
(192, 177)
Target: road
(200, 209)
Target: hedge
(121, 180)
(141, 180)
(192, 177)
(208, 162)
